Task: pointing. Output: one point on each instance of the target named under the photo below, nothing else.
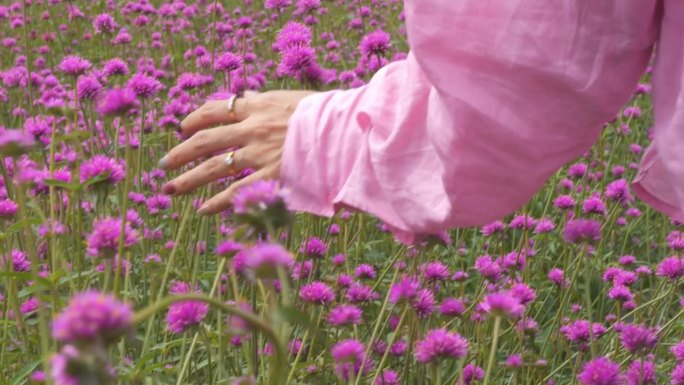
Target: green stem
(492, 350)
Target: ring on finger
(229, 161)
(231, 107)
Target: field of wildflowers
(105, 280)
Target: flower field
(104, 279)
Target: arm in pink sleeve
(661, 177)
(493, 99)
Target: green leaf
(24, 372)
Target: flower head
(74, 65)
(582, 230)
(600, 371)
(439, 344)
(91, 317)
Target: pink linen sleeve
(660, 182)
(494, 98)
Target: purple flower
(435, 271)
(471, 373)
(502, 304)
(115, 67)
(256, 196)
(103, 242)
(514, 361)
(452, 307)
(365, 271)
(375, 43)
(564, 202)
(228, 248)
(671, 268)
(296, 60)
(228, 62)
(638, 338)
(100, 166)
(277, 5)
(619, 191)
(578, 332)
(523, 293)
(88, 87)
(387, 377)
(678, 351)
(317, 292)
(184, 314)
(582, 230)
(556, 276)
(638, 375)
(345, 315)
(104, 23)
(440, 344)
(8, 208)
(361, 293)
(18, 260)
(405, 290)
(493, 228)
(348, 355)
(116, 101)
(263, 260)
(92, 317)
(600, 371)
(594, 205)
(424, 303)
(620, 293)
(144, 86)
(74, 65)
(314, 247)
(488, 268)
(292, 35)
(677, 374)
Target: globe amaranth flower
(184, 314)
(556, 276)
(471, 373)
(502, 304)
(578, 331)
(345, 315)
(453, 307)
(387, 377)
(100, 166)
(435, 271)
(114, 67)
(365, 271)
(638, 338)
(582, 230)
(256, 196)
(91, 317)
(116, 101)
(349, 355)
(441, 344)
(263, 260)
(314, 247)
(293, 35)
(405, 290)
(8, 208)
(642, 375)
(317, 292)
(671, 268)
(88, 87)
(74, 65)
(375, 43)
(17, 260)
(229, 248)
(677, 375)
(228, 62)
(104, 23)
(143, 86)
(103, 241)
(600, 371)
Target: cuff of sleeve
(653, 186)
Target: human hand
(256, 132)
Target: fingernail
(169, 189)
(163, 162)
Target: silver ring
(230, 159)
(231, 107)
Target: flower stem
(492, 350)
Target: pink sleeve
(494, 98)
(661, 177)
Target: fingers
(205, 143)
(223, 200)
(211, 170)
(215, 112)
